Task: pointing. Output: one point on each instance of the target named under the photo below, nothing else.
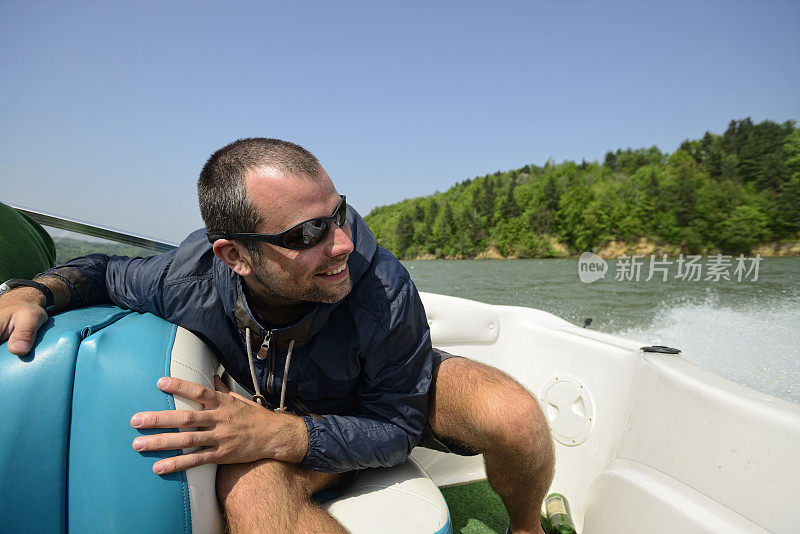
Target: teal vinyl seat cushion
(65, 409)
(66, 457)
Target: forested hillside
(723, 193)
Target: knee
(515, 422)
(488, 410)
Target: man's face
(285, 276)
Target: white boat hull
(646, 442)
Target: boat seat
(65, 438)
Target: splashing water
(755, 345)
(745, 332)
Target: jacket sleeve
(396, 376)
(130, 283)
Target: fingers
(172, 441)
(205, 396)
(23, 326)
(179, 418)
(171, 419)
(184, 461)
(220, 386)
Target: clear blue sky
(108, 110)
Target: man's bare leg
(273, 496)
(488, 411)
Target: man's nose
(340, 242)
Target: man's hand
(231, 429)
(21, 316)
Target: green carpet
(475, 509)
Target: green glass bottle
(546, 528)
(558, 514)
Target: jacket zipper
(263, 352)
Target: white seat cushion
(400, 499)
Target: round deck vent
(569, 409)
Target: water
(747, 331)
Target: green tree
(745, 227)
(405, 234)
(443, 237)
(509, 208)
(419, 212)
(788, 203)
(572, 206)
(725, 192)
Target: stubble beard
(313, 294)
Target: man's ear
(234, 255)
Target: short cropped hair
(221, 187)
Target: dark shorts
(430, 440)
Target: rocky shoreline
(614, 249)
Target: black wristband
(49, 300)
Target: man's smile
(335, 274)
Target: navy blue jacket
(363, 364)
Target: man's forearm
(82, 281)
(31, 295)
(61, 291)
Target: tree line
(721, 193)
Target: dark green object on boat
(558, 514)
(26, 249)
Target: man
(335, 327)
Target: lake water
(747, 331)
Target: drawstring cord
(258, 397)
(285, 376)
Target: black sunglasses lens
(306, 235)
(309, 233)
(341, 214)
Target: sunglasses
(298, 237)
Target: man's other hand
(231, 429)
(21, 316)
